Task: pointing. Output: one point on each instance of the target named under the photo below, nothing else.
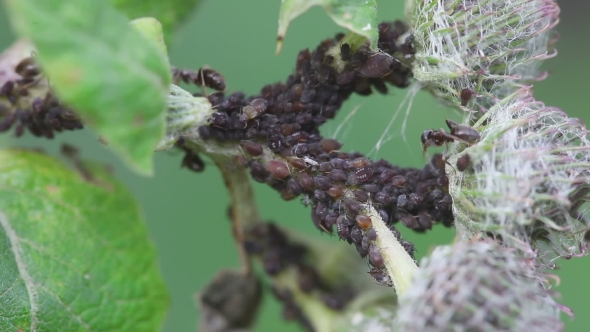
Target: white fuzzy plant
(529, 177)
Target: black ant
(205, 77)
(459, 132)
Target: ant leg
(203, 81)
(175, 76)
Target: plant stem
(243, 204)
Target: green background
(186, 212)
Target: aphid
(408, 246)
(337, 175)
(360, 162)
(331, 219)
(250, 112)
(272, 262)
(192, 161)
(352, 179)
(371, 234)
(306, 182)
(252, 148)
(320, 195)
(345, 77)
(377, 65)
(361, 195)
(356, 234)
(424, 220)
(383, 198)
(459, 132)
(342, 229)
(381, 277)
(328, 145)
(364, 221)
(220, 119)
(278, 169)
(345, 52)
(27, 68)
(259, 173)
(299, 106)
(299, 149)
(307, 96)
(322, 210)
(308, 279)
(7, 122)
(352, 206)
(275, 142)
(325, 167)
(465, 96)
(297, 163)
(333, 301)
(365, 243)
(384, 216)
(375, 257)
(463, 162)
(294, 186)
(339, 163)
(362, 251)
(297, 89)
(322, 182)
(364, 174)
(300, 136)
(335, 191)
(371, 187)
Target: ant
(459, 132)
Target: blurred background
(186, 212)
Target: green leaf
(358, 16)
(169, 12)
(74, 253)
(114, 77)
(151, 29)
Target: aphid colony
(272, 246)
(42, 116)
(285, 117)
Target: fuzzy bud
(482, 46)
(184, 112)
(478, 286)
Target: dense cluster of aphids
(311, 95)
(42, 116)
(284, 118)
(278, 253)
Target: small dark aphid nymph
(377, 65)
(463, 162)
(466, 95)
(345, 52)
(381, 277)
(27, 68)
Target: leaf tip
(280, 39)
(152, 29)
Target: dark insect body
(381, 277)
(466, 95)
(459, 132)
(203, 77)
(345, 52)
(463, 162)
